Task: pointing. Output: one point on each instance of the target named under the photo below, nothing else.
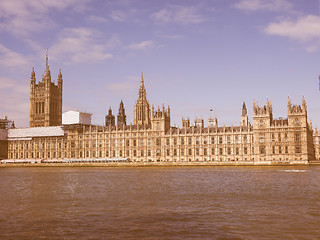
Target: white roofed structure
(76, 117)
(23, 133)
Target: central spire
(142, 109)
(47, 60)
(142, 90)
(142, 82)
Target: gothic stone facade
(45, 100)
(152, 139)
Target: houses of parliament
(151, 138)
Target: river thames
(160, 203)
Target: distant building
(5, 124)
(151, 138)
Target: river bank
(158, 164)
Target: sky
(195, 55)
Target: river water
(160, 203)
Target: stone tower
(110, 119)
(297, 115)
(142, 109)
(161, 119)
(121, 118)
(244, 116)
(45, 100)
(262, 116)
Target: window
(298, 149)
(273, 150)
(142, 153)
(197, 151)
(245, 150)
(182, 152)
(245, 139)
(175, 152)
(262, 149)
(228, 140)
(205, 152)
(279, 137)
(297, 137)
(134, 142)
(237, 151)
(221, 151)
(229, 150)
(279, 149)
(189, 141)
(220, 140)
(261, 137)
(168, 141)
(175, 141)
(204, 140)
(237, 139)
(261, 123)
(190, 151)
(182, 141)
(212, 140)
(158, 152)
(158, 142)
(168, 152)
(272, 137)
(212, 151)
(286, 149)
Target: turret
(262, 116)
(297, 114)
(60, 81)
(32, 79)
(161, 119)
(186, 123)
(110, 119)
(304, 104)
(244, 116)
(121, 118)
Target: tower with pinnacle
(45, 99)
(121, 118)
(244, 116)
(110, 119)
(142, 108)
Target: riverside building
(151, 138)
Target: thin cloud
(304, 29)
(124, 88)
(15, 100)
(142, 45)
(179, 14)
(23, 17)
(78, 45)
(118, 16)
(96, 19)
(268, 5)
(12, 59)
